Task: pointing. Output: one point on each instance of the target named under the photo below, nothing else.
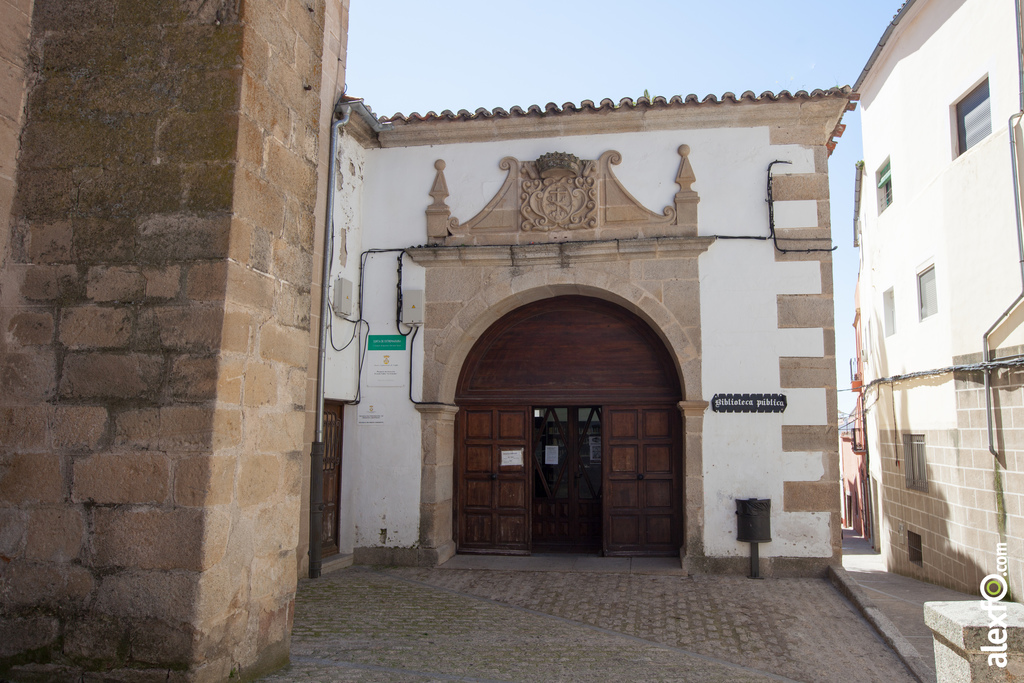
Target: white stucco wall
(740, 281)
(953, 212)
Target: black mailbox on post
(754, 520)
(753, 526)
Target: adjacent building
(938, 221)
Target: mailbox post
(753, 526)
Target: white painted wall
(953, 212)
(742, 344)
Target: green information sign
(385, 342)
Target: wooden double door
(590, 479)
(568, 434)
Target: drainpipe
(986, 351)
(316, 451)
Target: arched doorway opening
(569, 436)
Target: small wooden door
(333, 424)
(643, 511)
(493, 486)
(566, 466)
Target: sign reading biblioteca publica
(749, 403)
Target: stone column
(692, 551)
(977, 641)
(438, 425)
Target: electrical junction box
(342, 303)
(412, 306)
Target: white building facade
(940, 265)
(585, 330)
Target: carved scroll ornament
(559, 192)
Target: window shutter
(885, 174)
(889, 309)
(908, 458)
(926, 293)
(974, 117)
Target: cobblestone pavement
(420, 625)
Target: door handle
(494, 475)
(639, 476)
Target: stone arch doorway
(568, 435)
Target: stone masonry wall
(155, 329)
(812, 311)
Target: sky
(412, 56)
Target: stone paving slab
(403, 624)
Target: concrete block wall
(974, 499)
(155, 326)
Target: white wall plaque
(369, 415)
(512, 458)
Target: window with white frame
(889, 311)
(927, 305)
(884, 180)
(914, 461)
(973, 118)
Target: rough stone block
(258, 478)
(31, 478)
(109, 375)
(227, 428)
(55, 534)
(207, 281)
(280, 432)
(50, 242)
(31, 328)
(966, 638)
(18, 635)
(185, 328)
(204, 481)
(285, 344)
(805, 311)
(170, 238)
(168, 596)
(48, 586)
(85, 327)
(103, 241)
(115, 283)
(46, 283)
(194, 378)
(121, 478)
(78, 428)
(236, 331)
(22, 428)
(162, 283)
(810, 496)
(797, 373)
(148, 538)
(258, 202)
(249, 288)
(260, 384)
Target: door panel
(491, 498)
(567, 464)
(330, 537)
(645, 511)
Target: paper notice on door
(551, 455)
(512, 458)
(595, 449)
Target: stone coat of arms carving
(560, 194)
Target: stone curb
(853, 592)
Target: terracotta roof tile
(608, 105)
